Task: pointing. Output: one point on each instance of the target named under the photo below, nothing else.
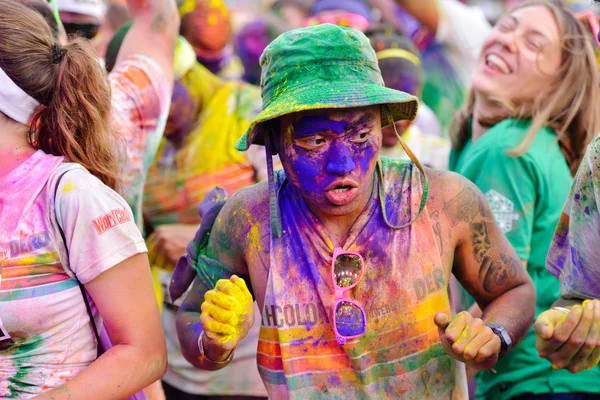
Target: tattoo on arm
(495, 270)
(464, 208)
(481, 241)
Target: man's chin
(331, 210)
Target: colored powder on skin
(308, 126)
(318, 169)
(373, 242)
(240, 309)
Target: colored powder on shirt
(573, 255)
(141, 96)
(402, 289)
(68, 187)
(41, 306)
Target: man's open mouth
(342, 192)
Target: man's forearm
(507, 311)
(189, 330)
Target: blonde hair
(569, 105)
(74, 121)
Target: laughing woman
(63, 230)
(520, 138)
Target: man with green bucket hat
(348, 254)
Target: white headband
(14, 102)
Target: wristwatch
(505, 340)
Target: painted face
(520, 57)
(330, 157)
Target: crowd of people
(299, 199)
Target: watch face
(505, 340)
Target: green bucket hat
(323, 66)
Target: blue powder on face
(308, 126)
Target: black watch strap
(506, 343)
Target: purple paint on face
(311, 125)
(330, 157)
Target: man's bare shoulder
(242, 221)
(457, 208)
(446, 187)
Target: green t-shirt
(526, 194)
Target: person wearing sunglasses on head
(347, 253)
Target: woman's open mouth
(342, 192)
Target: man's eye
(361, 137)
(317, 141)
(312, 142)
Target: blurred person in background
(207, 116)
(251, 41)
(141, 77)
(520, 138)
(354, 14)
(82, 17)
(400, 64)
(449, 35)
(117, 15)
(292, 12)
(207, 26)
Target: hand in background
(168, 243)
(572, 340)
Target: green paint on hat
(318, 67)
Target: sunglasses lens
(347, 270)
(349, 319)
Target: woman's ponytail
(75, 121)
(71, 86)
